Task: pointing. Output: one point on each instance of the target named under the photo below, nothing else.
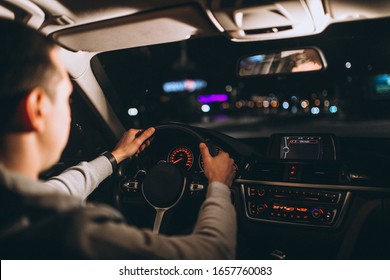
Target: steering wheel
(164, 184)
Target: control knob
(317, 213)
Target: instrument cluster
(184, 157)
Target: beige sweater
(99, 231)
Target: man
(308, 60)
(48, 219)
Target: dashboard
(301, 185)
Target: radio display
(301, 147)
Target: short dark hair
(25, 63)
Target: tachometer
(181, 156)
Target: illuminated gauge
(181, 156)
(201, 164)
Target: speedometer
(182, 157)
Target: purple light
(219, 97)
(221, 118)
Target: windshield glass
(196, 82)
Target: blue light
(184, 85)
(285, 105)
(294, 109)
(382, 84)
(256, 58)
(333, 109)
(205, 108)
(315, 110)
(132, 112)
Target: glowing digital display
(301, 147)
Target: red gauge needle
(176, 161)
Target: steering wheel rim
(189, 130)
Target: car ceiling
(103, 25)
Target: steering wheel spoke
(158, 219)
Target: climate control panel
(293, 204)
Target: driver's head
(34, 94)
(308, 60)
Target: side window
(89, 135)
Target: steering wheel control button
(196, 189)
(129, 186)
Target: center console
(298, 183)
(294, 205)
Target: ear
(33, 110)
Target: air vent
(268, 171)
(320, 174)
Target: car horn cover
(163, 186)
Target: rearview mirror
(281, 62)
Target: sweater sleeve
(80, 180)
(214, 235)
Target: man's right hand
(219, 168)
(132, 143)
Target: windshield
(197, 82)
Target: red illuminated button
(261, 207)
(261, 192)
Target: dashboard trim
(317, 186)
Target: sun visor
(147, 28)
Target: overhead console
(290, 18)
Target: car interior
(296, 91)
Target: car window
(196, 82)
